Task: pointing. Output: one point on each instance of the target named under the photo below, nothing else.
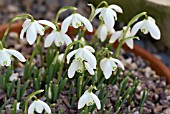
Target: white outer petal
(38, 107)
(66, 38)
(26, 23)
(91, 59)
(118, 62)
(60, 57)
(106, 67)
(40, 29)
(31, 108)
(48, 23)
(136, 27)
(25, 27)
(66, 23)
(130, 43)
(116, 8)
(98, 11)
(115, 36)
(103, 33)
(49, 39)
(89, 69)
(91, 49)
(70, 55)
(17, 54)
(86, 22)
(82, 101)
(96, 100)
(73, 68)
(46, 107)
(31, 34)
(58, 39)
(154, 30)
(5, 56)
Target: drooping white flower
(103, 31)
(108, 65)
(84, 53)
(58, 37)
(147, 25)
(13, 77)
(18, 105)
(38, 106)
(118, 35)
(60, 57)
(5, 56)
(108, 14)
(88, 98)
(77, 65)
(32, 28)
(76, 21)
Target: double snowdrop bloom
(147, 25)
(58, 37)
(88, 98)
(118, 35)
(6, 54)
(108, 14)
(39, 106)
(103, 31)
(32, 28)
(84, 53)
(78, 65)
(108, 65)
(76, 21)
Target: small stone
(12, 8)
(167, 111)
(157, 109)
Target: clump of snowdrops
(88, 66)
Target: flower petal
(89, 69)
(103, 33)
(31, 34)
(116, 8)
(130, 43)
(66, 23)
(5, 58)
(86, 22)
(46, 107)
(82, 101)
(58, 40)
(118, 62)
(17, 54)
(31, 108)
(115, 36)
(40, 28)
(50, 38)
(22, 32)
(106, 67)
(66, 39)
(97, 11)
(48, 23)
(91, 59)
(136, 27)
(91, 49)
(96, 100)
(38, 107)
(154, 30)
(70, 55)
(26, 23)
(73, 68)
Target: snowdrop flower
(118, 35)
(88, 98)
(103, 31)
(32, 28)
(18, 105)
(60, 57)
(58, 37)
(78, 65)
(5, 56)
(147, 25)
(108, 14)
(108, 65)
(38, 106)
(84, 53)
(13, 77)
(76, 21)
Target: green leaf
(24, 88)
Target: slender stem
(1, 46)
(86, 110)
(103, 2)
(116, 54)
(14, 19)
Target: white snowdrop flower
(58, 37)
(84, 53)
(39, 106)
(118, 35)
(108, 14)
(6, 54)
(108, 65)
(60, 57)
(13, 77)
(32, 28)
(103, 31)
(18, 105)
(77, 65)
(88, 98)
(76, 21)
(147, 25)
